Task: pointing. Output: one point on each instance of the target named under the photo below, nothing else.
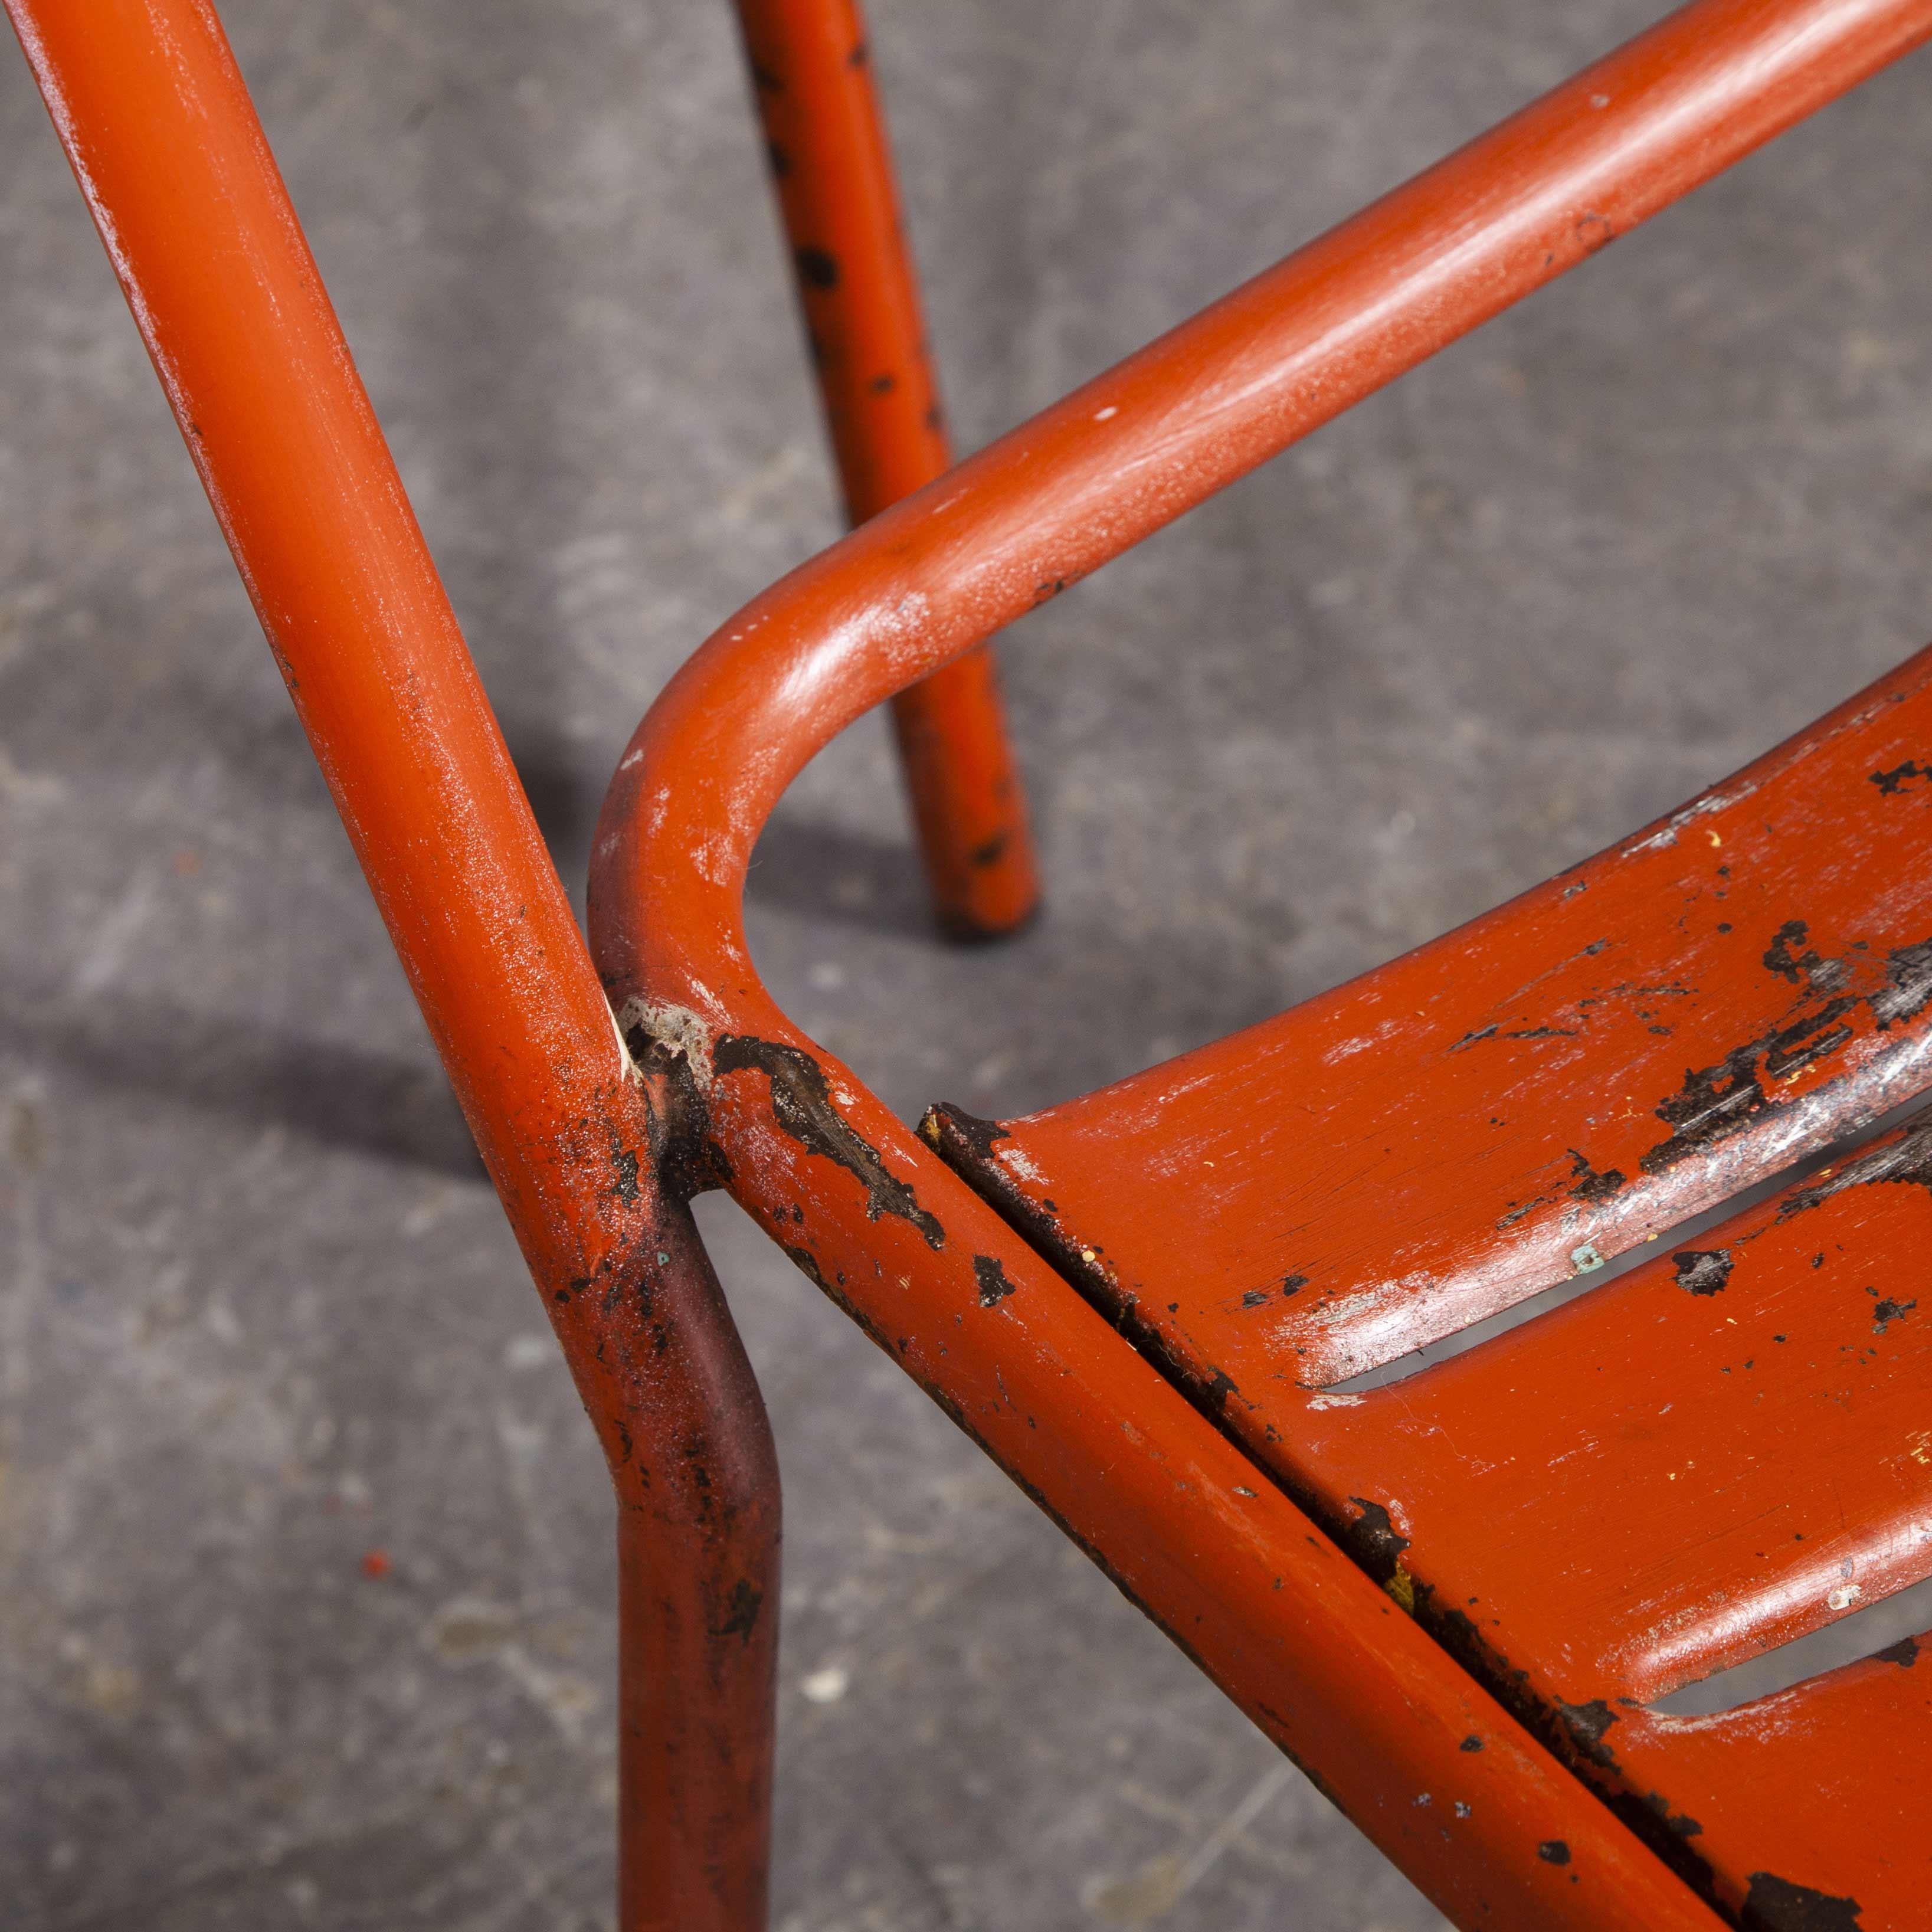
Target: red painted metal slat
(1727, 1449)
(1515, 1102)
(1788, 1772)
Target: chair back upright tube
(159, 128)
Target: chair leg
(832, 169)
(698, 1610)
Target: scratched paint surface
(1519, 1101)
(1722, 1451)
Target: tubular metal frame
(595, 1143)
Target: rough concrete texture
(262, 1316)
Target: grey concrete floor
(259, 1315)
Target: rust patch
(1553, 1851)
(1779, 958)
(1674, 1821)
(1717, 1101)
(817, 267)
(1909, 984)
(1586, 1724)
(1904, 1653)
(1895, 781)
(741, 1616)
(802, 1105)
(806, 1262)
(994, 1286)
(1702, 1270)
(1774, 1904)
(947, 1121)
(625, 1162)
(1592, 1186)
(1376, 1542)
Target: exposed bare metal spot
(1590, 1186)
(1665, 834)
(1888, 1311)
(1586, 1724)
(1702, 1270)
(994, 1286)
(1896, 780)
(1908, 1158)
(674, 1032)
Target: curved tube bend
(1011, 527)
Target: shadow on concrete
(344, 1096)
(825, 872)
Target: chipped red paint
(1121, 1457)
(1668, 1476)
(1567, 1076)
(594, 1148)
(1173, 1510)
(825, 141)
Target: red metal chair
(1458, 1601)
